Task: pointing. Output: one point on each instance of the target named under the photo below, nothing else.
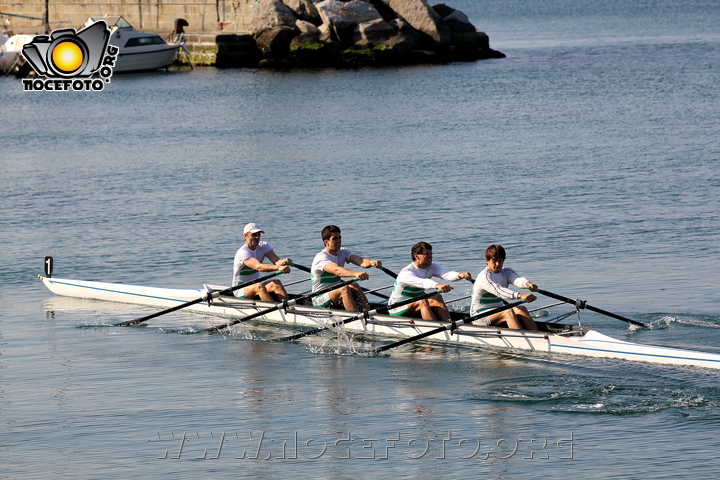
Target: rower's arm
(272, 256)
(364, 262)
(335, 269)
(264, 267)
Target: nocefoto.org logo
(68, 60)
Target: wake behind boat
(553, 337)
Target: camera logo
(68, 59)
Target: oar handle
(583, 304)
(306, 269)
(577, 303)
(208, 296)
(301, 267)
(450, 326)
(389, 272)
(368, 314)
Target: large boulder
(268, 14)
(354, 33)
(409, 37)
(342, 18)
(423, 18)
(305, 10)
(306, 50)
(458, 22)
(468, 43)
(384, 9)
(274, 43)
(442, 9)
(236, 51)
(367, 34)
(306, 27)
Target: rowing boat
(552, 338)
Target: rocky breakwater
(335, 33)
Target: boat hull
(160, 56)
(11, 50)
(564, 339)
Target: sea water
(590, 152)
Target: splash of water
(341, 343)
(659, 324)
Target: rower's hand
(368, 262)
(284, 268)
(363, 276)
(444, 288)
(528, 297)
(531, 286)
(465, 276)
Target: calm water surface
(591, 152)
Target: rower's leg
(508, 318)
(258, 291)
(359, 297)
(524, 317)
(427, 312)
(432, 308)
(347, 297)
(441, 311)
(421, 309)
(276, 288)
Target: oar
(296, 281)
(458, 299)
(389, 272)
(206, 297)
(452, 326)
(306, 269)
(282, 305)
(301, 267)
(583, 304)
(366, 314)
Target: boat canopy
(111, 20)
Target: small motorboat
(138, 51)
(11, 51)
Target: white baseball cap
(252, 228)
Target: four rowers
(490, 290)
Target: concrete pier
(225, 16)
(208, 20)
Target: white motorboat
(11, 51)
(552, 337)
(138, 51)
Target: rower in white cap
(248, 265)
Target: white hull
(160, 56)
(562, 339)
(11, 50)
